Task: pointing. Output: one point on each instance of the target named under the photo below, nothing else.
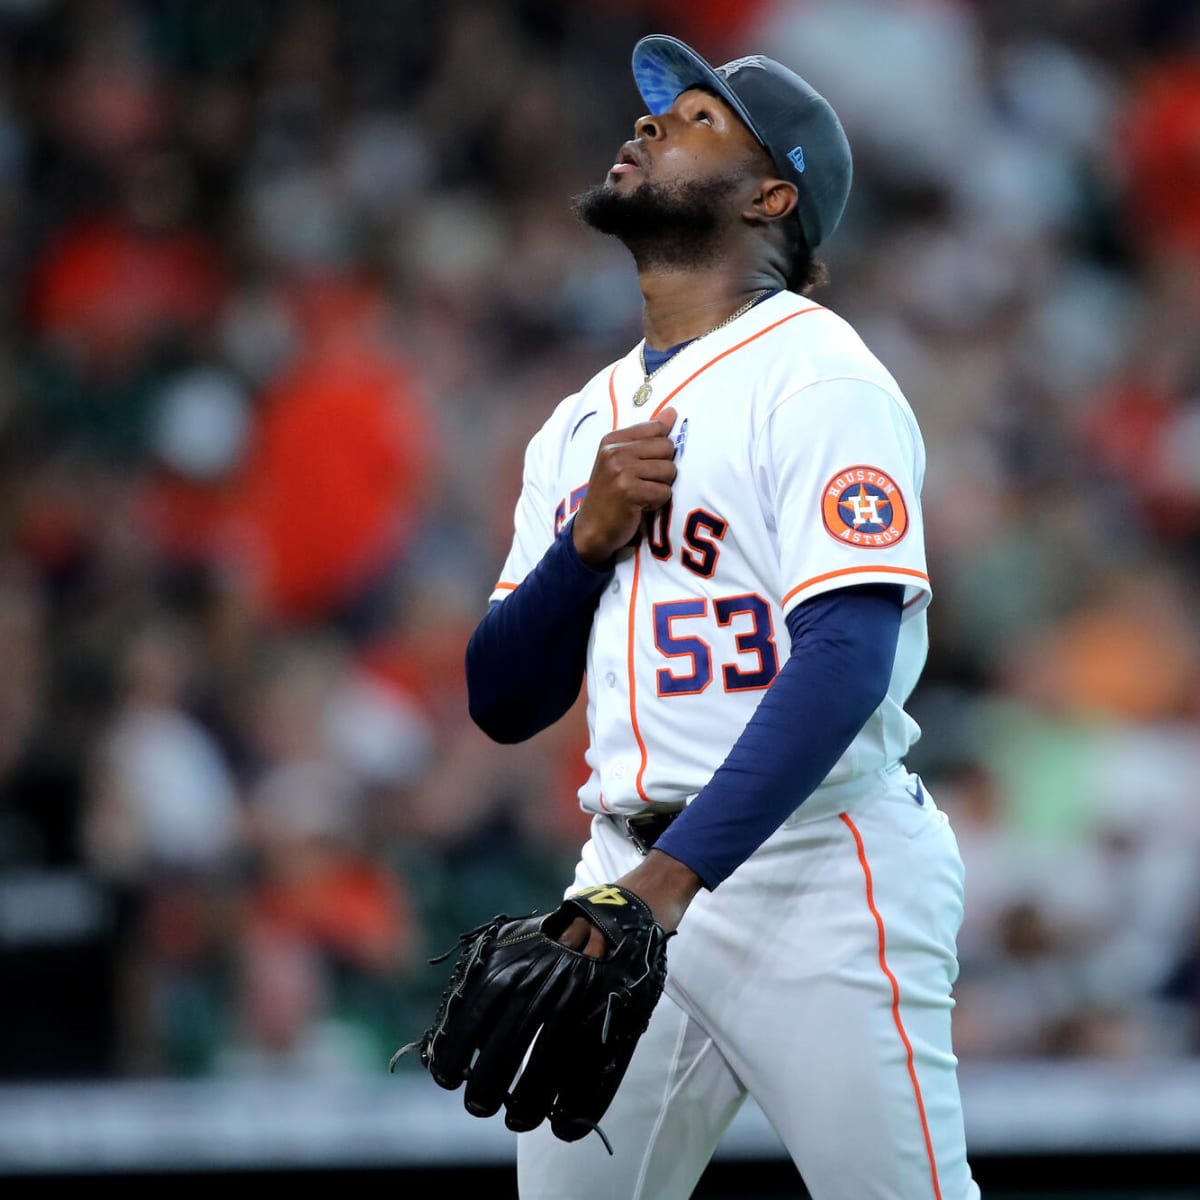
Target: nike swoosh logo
(580, 422)
(919, 794)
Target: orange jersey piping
(853, 571)
(726, 353)
(637, 733)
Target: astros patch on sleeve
(864, 506)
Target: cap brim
(663, 67)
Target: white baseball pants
(817, 978)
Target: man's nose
(648, 127)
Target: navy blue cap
(795, 124)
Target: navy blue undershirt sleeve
(526, 658)
(837, 675)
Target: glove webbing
(457, 979)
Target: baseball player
(721, 533)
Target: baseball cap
(796, 125)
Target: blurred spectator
(337, 479)
(325, 935)
(1159, 131)
(99, 357)
(164, 824)
(168, 275)
(164, 799)
(1143, 429)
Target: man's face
(698, 138)
(679, 183)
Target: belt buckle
(640, 844)
(654, 825)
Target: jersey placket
(613, 687)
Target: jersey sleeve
(840, 465)
(533, 517)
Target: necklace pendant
(642, 394)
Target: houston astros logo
(862, 506)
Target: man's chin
(673, 225)
(603, 205)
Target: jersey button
(610, 679)
(616, 586)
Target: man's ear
(773, 200)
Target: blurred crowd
(286, 286)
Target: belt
(644, 829)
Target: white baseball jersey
(800, 467)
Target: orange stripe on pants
(908, 1050)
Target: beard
(671, 226)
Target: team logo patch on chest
(862, 506)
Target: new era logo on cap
(796, 157)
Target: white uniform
(817, 977)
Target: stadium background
(286, 286)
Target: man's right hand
(631, 478)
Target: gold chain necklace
(643, 393)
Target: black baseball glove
(544, 1030)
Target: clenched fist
(631, 478)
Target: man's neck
(681, 305)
